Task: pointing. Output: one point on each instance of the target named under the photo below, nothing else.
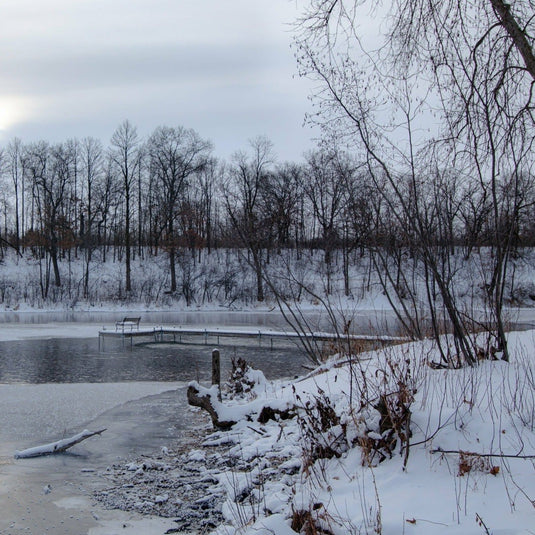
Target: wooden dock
(202, 336)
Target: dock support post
(216, 371)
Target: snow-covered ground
(469, 468)
(334, 465)
(324, 467)
(224, 279)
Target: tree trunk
(258, 272)
(55, 266)
(516, 33)
(172, 268)
(128, 282)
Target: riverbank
(224, 280)
(323, 459)
(320, 458)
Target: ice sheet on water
(43, 411)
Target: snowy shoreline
(265, 477)
(55, 323)
(331, 466)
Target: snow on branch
(224, 417)
(57, 447)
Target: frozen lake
(362, 321)
(54, 380)
(53, 385)
(59, 385)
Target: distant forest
(168, 192)
(167, 196)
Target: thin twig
(501, 455)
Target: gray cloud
(135, 65)
(223, 68)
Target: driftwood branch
(499, 455)
(206, 399)
(57, 447)
(205, 402)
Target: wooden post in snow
(216, 371)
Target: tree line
(168, 192)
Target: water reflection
(360, 322)
(80, 361)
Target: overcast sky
(223, 67)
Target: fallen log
(224, 417)
(57, 447)
(205, 402)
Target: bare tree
(244, 203)
(91, 155)
(208, 178)
(327, 176)
(16, 171)
(282, 193)
(125, 156)
(467, 64)
(357, 220)
(176, 154)
(107, 196)
(50, 169)
(4, 200)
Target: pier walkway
(214, 336)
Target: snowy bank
(384, 444)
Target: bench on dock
(127, 322)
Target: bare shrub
(241, 381)
(472, 462)
(312, 521)
(323, 436)
(377, 419)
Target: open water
(81, 361)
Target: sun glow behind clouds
(76, 69)
(13, 110)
